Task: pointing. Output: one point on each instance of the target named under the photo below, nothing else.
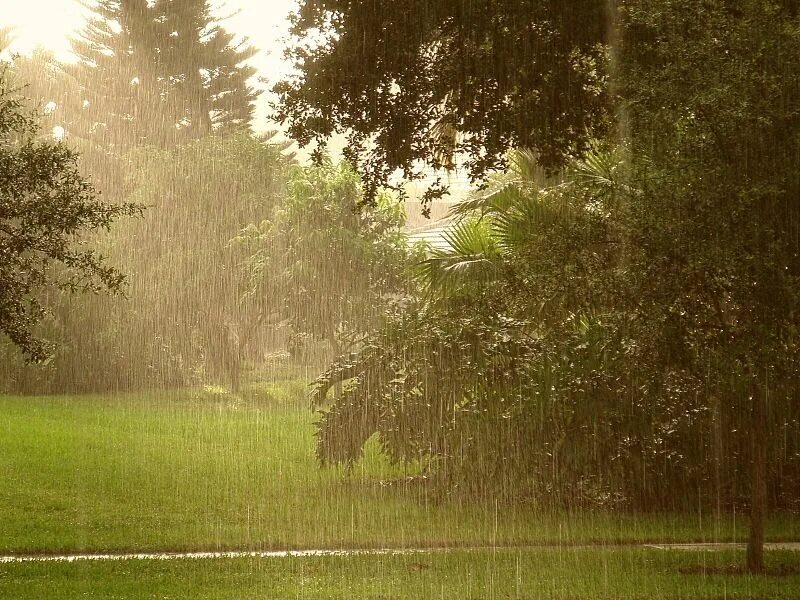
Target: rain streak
(422, 299)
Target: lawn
(557, 574)
(194, 470)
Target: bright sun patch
(44, 24)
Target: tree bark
(758, 491)
(717, 424)
(235, 374)
(233, 356)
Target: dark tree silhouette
(416, 81)
(46, 206)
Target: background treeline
(240, 253)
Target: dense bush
(535, 365)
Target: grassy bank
(459, 575)
(198, 470)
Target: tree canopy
(329, 266)
(711, 94)
(638, 319)
(414, 83)
(191, 288)
(158, 73)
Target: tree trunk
(758, 490)
(337, 352)
(234, 356)
(717, 424)
(235, 374)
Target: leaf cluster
(417, 83)
(46, 209)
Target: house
(433, 230)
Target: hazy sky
(49, 23)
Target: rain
(453, 299)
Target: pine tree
(214, 93)
(159, 73)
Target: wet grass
(194, 470)
(566, 574)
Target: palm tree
(493, 228)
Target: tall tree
(159, 73)
(334, 266)
(712, 91)
(190, 289)
(213, 82)
(5, 38)
(706, 224)
(46, 207)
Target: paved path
(24, 558)
(794, 546)
(197, 555)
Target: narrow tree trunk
(717, 461)
(337, 352)
(234, 356)
(235, 374)
(758, 490)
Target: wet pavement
(22, 558)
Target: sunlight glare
(43, 23)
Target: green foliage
(619, 329)
(719, 212)
(492, 369)
(711, 92)
(46, 209)
(187, 316)
(540, 360)
(330, 265)
(188, 286)
(418, 82)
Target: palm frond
(493, 227)
(471, 258)
(523, 164)
(599, 172)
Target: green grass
(199, 470)
(565, 574)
